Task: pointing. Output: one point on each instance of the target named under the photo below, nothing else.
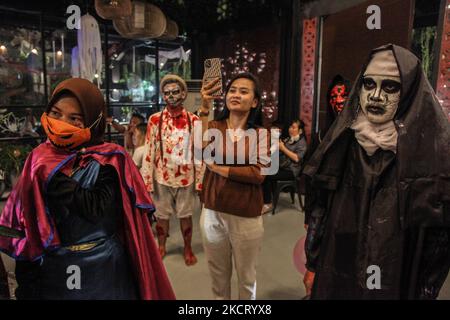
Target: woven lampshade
(113, 9)
(171, 32)
(146, 21)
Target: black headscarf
(423, 146)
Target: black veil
(423, 148)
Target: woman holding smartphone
(231, 221)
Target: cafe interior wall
(36, 54)
(26, 82)
(347, 41)
(343, 42)
(256, 50)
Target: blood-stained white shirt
(176, 169)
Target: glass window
(21, 68)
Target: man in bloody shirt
(168, 169)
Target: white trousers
(227, 237)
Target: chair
(295, 186)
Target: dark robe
(85, 210)
(38, 223)
(389, 210)
(316, 138)
(4, 288)
(48, 213)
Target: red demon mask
(338, 96)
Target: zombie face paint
(173, 95)
(379, 98)
(338, 96)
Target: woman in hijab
(381, 226)
(78, 219)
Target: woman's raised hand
(208, 88)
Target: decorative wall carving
(443, 83)
(308, 73)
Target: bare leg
(162, 230)
(186, 230)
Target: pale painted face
(173, 95)
(379, 97)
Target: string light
(243, 60)
(34, 51)
(59, 53)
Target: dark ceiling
(426, 13)
(199, 17)
(192, 16)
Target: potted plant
(12, 159)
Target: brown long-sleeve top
(240, 194)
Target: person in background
(128, 130)
(139, 144)
(231, 222)
(80, 206)
(172, 181)
(380, 228)
(292, 151)
(337, 95)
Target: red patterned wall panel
(307, 75)
(443, 84)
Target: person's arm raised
(207, 98)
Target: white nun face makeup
(380, 91)
(379, 98)
(173, 95)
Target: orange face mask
(64, 135)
